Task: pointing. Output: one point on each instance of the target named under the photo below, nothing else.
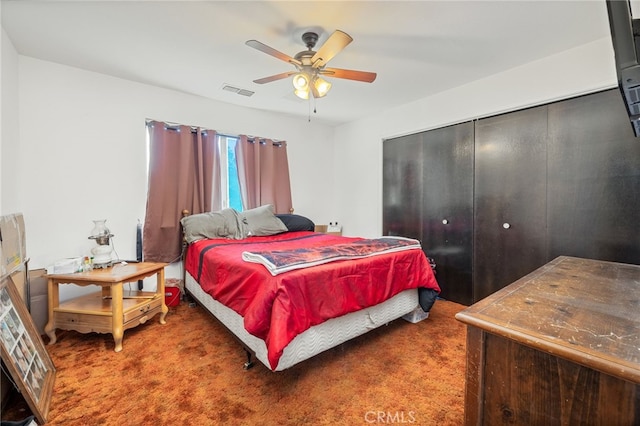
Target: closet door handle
(506, 225)
(445, 221)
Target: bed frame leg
(247, 365)
(190, 300)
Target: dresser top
(587, 311)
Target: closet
(494, 199)
(428, 195)
(594, 173)
(509, 198)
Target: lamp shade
(303, 94)
(301, 81)
(320, 87)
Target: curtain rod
(176, 126)
(252, 139)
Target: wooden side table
(111, 310)
(325, 230)
(559, 346)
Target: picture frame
(23, 352)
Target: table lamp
(101, 252)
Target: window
(230, 184)
(185, 163)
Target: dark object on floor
(28, 421)
(426, 298)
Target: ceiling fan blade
(271, 51)
(334, 44)
(367, 77)
(274, 77)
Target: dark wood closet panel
(428, 195)
(594, 180)
(510, 198)
(448, 208)
(402, 184)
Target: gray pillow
(225, 223)
(261, 221)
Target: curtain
(184, 163)
(263, 172)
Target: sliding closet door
(510, 198)
(402, 185)
(448, 208)
(594, 180)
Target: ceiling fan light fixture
(320, 87)
(301, 82)
(302, 94)
(310, 64)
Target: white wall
(83, 154)
(358, 145)
(9, 136)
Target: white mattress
(316, 339)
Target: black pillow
(295, 222)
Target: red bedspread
(278, 308)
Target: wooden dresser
(560, 346)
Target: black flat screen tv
(625, 35)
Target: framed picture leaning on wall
(23, 352)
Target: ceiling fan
(311, 65)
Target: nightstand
(111, 310)
(323, 229)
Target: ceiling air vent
(239, 91)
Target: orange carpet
(189, 372)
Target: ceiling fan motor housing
(305, 57)
(310, 39)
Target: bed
(288, 293)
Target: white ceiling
(417, 48)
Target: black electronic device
(139, 250)
(625, 35)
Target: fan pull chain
(309, 107)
